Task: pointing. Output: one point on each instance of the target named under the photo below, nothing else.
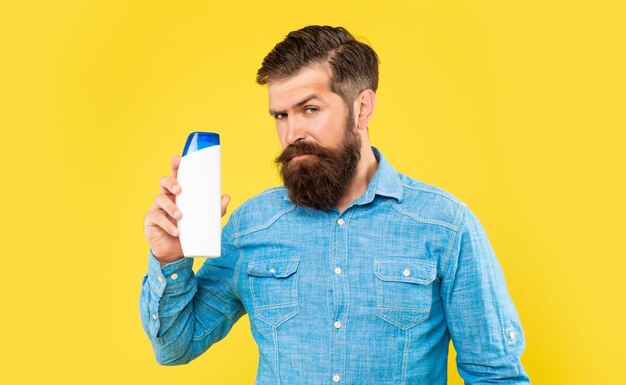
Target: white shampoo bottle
(200, 197)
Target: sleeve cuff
(170, 278)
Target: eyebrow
(305, 100)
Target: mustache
(300, 148)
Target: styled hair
(353, 65)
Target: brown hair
(353, 65)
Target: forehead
(310, 80)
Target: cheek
(281, 133)
(323, 128)
(331, 132)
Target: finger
(175, 164)
(169, 185)
(166, 215)
(225, 201)
(168, 206)
(159, 219)
(169, 218)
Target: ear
(364, 107)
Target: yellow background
(517, 108)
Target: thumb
(225, 201)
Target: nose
(295, 130)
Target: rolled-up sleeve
(482, 320)
(183, 313)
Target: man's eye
(311, 109)
(279, 116)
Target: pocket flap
(273, 268)
(405, 270)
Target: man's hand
(160, 221)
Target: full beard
(319, 180)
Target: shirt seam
(450, 226)
(239, 258)
(264, 226)
(431, 189)
(344, 336)
(448, 255)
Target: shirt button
(160, 279)
(340, 221)
(174, 276)
(272, 270)
(406, 272)
(336, 378)
(154, 316)
(337, 270)
(512, 335)
(337, 324)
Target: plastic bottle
(200, 199)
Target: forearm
(510, 372)
(181, 320)
(481, 317)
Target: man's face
(321, 147)
(306, 109)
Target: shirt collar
(385, 182)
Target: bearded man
(351, 272)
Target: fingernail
(176, 188)
(175, 232)
(178, 214)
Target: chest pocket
(404, 290)
(274, 289)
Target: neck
(365, 171)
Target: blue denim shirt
(372, 295)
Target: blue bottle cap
(199, 140)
